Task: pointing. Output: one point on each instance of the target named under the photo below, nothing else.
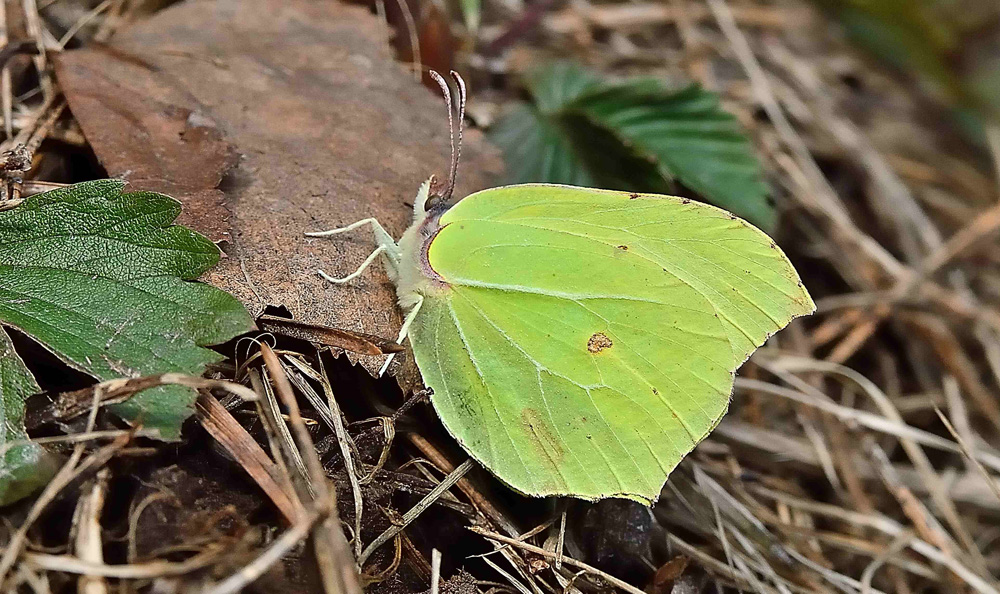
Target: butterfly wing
(587, 339)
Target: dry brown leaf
(146, 130)
(330, 128)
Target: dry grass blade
(344, 441)
(282, 443)
(337, 566)
(513, 581)
(153, 569)
(82, 22)
(231, 435)
(919, 458)
(295, 376)
(901, 542)
(890, 528)
(967, 450)
(866, 419)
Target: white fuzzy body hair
(413, 277)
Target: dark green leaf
(24, 466)
(101, 279)
(635, 135)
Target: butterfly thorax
(415, 276)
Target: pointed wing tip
(805, 303)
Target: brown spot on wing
(598, 342)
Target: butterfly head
(433, 198)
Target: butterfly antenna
(446, 93)
(456, 153)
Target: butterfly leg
(403, 331)
(386, 246)
(368, 261)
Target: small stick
(69, 405)
(417, 397)
(414, 512)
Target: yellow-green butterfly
(581, 342)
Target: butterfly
(580, 342)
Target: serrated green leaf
(635, 136)
(554, 87)
(24, 466)
(563, 149)
(100, 278)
